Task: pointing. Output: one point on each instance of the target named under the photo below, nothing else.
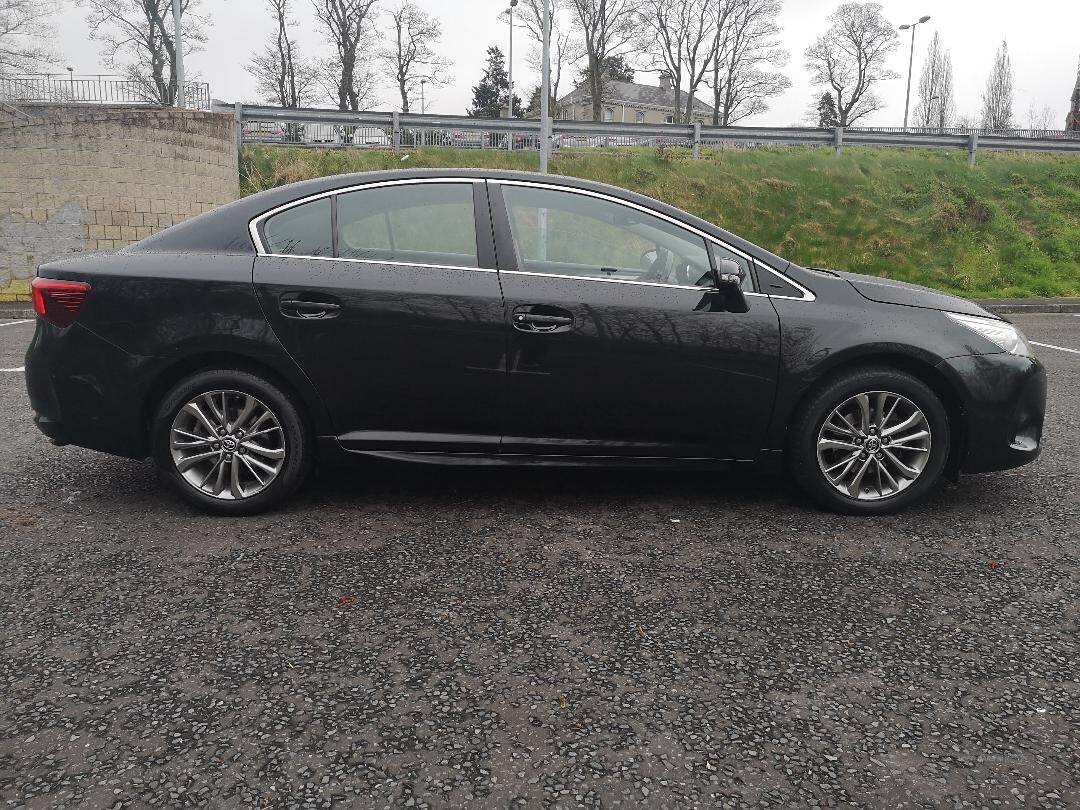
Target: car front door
(621, 344)
(390, 303)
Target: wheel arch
(921, 369)
(311, 408)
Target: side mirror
(729, 277)
(729, 273)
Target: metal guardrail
(58, 89)
(392, 130)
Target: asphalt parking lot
(439, 637)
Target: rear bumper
(1003, 399)
(84, 391)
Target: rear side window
(423, 223)
(301, 231)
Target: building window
(609, 114)
(669, 119)
(640, 117)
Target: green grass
(1010, 227)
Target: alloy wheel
(227, 444)
(873, 445)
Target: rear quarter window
(304, 230)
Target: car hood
(887, 291)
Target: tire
(280, 442)
(814, 448)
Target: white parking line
(1052, 346)
(20, 368)
(15, 323)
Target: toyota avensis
(485, 317)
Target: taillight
(58, 301)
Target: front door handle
(308, 310)
(542, 319)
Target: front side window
(303, 230)
(422, 223)
(562, 233)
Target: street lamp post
(911, 62)
(545, 92)
(178, 48)
(510, 76)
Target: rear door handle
(542, 319)
(308, 310)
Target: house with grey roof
(630, 103)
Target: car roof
(225, 229)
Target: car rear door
(620, 342)
(388, 298)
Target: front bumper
(1003, 403)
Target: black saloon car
(485, 317)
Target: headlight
(1001, 333)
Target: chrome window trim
(260, 249)
(614, 281)
(253, 225)
(379, 262)
(807, 295)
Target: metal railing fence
(63, 89)
(392, 130)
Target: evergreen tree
(826, 108)
(493, 91)
(532, 109)
(616, 69)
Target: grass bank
(1010, 227)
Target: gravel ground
(438, 637)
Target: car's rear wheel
(231, 442)
(869, 441)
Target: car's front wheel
(231, 442)
(869, 441)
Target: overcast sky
(1043, 38)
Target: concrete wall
(77, 178)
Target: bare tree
(282, 76)
(747, 44)
(605, 28)
(663, 39)
(345, 23)
(1040, 118)
(997, 100)
(410, 56)
(24, 34)
(532, 19)
(850, 57)
(698, 47)
(138, 39)
(936, 106)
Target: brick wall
(80, 178)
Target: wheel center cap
(229, 443)
(873, 444)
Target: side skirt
(331, 452)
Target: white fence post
(396, 124)
(973, 144)
(697, 140)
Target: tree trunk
(596, 86)
(716, 92)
